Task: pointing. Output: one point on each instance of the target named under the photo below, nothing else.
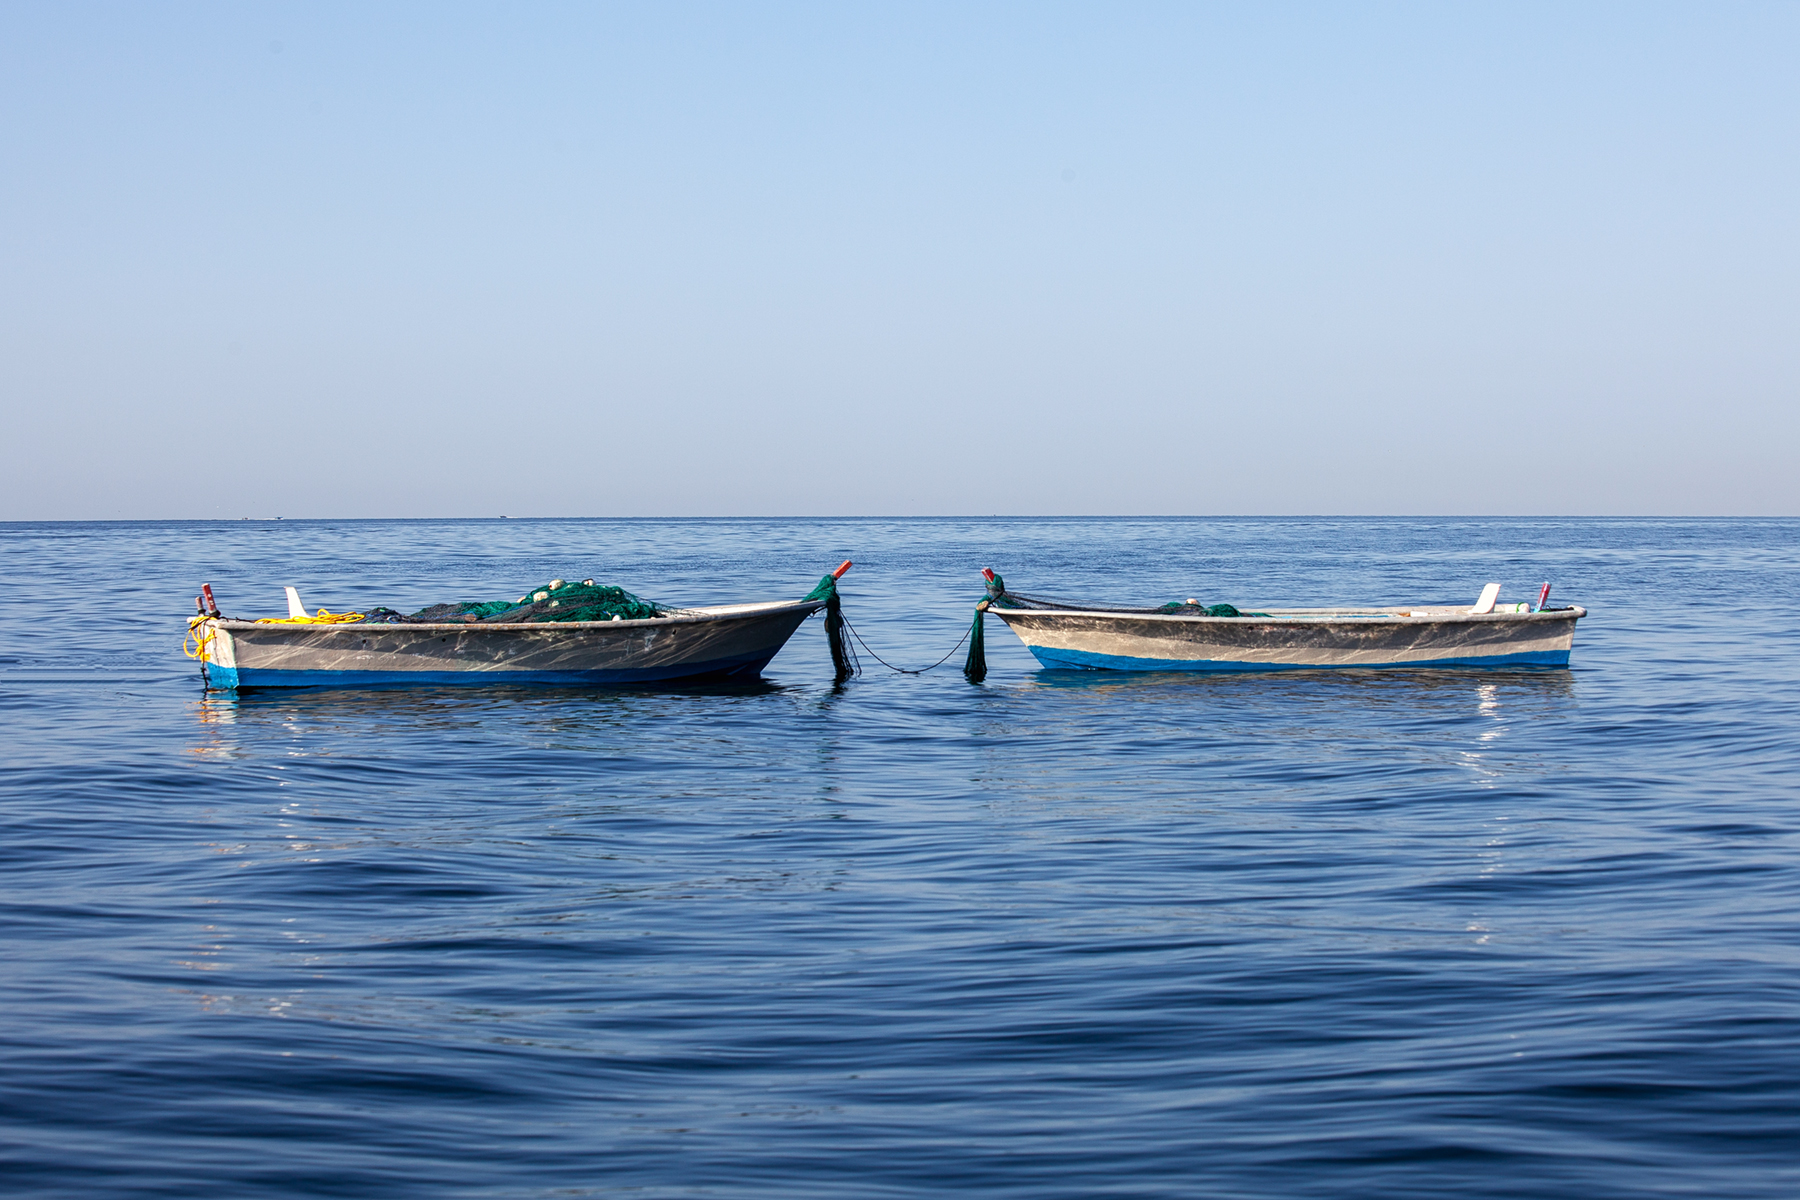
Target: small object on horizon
(1489, 594)
(295, 608)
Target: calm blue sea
(1433, 934)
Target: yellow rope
(200, 641)
(323, 618)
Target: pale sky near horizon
(685, 259)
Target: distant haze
(389, 260)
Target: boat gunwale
(1304, 616)
(683, 616)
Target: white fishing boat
(722, 642)
(1193, 637)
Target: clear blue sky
(540, 259)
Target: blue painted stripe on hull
(733, 668)
(1082, 660)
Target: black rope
(903, 670)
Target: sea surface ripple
(1408, 934)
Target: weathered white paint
(1289, 638)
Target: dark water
(1431, 934)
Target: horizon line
(943, 517)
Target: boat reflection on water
(1181, 735)
(1376, 685)
(363, 712)
(1371, 705)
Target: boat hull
(733, 642)
(1294, 639)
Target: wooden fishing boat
(723, 642)
(1189, 638)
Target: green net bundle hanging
(843, 655)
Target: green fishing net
(1203, 610)
(557, 600)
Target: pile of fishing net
(557, 600)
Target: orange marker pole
(839, 573)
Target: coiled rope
(322, 618)
(200, 641)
